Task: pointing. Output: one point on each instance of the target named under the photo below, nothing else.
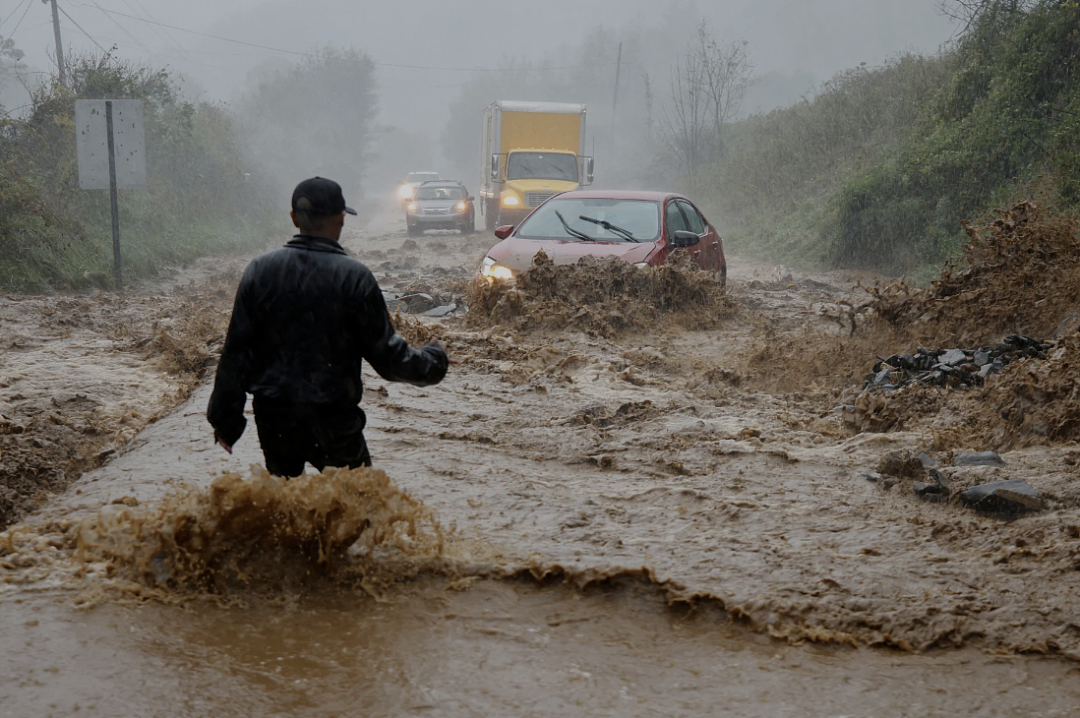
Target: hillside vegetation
(879, 168)
(198, 199)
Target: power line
(123, 29)
(19, 23)
(305, 54)
(84, 32)
(12, 14)
(163, 34)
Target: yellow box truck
(529, 152)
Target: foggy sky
(806, 39)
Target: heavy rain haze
(423, 50)
(778, 418)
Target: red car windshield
(601, 219)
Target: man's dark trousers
(292, 435)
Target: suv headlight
(460, 206)
(493, 270)
(412, 207)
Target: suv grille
(535, 199)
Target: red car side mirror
(505, 231)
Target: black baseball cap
(319, 195)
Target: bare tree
(683, 124)
(648, 106)
(728, 74)
(708, 86)
(966, 12)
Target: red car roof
(621, 194)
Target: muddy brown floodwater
(610, 522)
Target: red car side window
(696, 221)
(676, 221)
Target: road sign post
(111, 152)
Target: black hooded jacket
(304, 317)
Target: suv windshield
(422, 177)
(641, 218)
(440, 193)
(542, 165)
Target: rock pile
(1008, 498)
(952, 367)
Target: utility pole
(59, 43)
(615, 101)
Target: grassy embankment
(199, 199)
(879, 168)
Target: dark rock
(1003, 497)
(940, 479)
(441, 311)
(889, 483)
(872, 476)
(978, 458)
(928, 492)
(927, 460)
(981, 358)
(882, 377)
(954, 357)
(396, 305)
(419, 302)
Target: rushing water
(494, 649)
(549, 501)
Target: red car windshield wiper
(610, 227)
(571, 231)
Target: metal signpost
(111, 152)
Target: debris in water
(978, 458)
(1003, 497)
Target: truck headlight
(492, 270)
(510, 201)
(405, 191)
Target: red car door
(675, 221)
(711, 257)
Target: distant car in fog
(445, 204)
(642, 228)
(407, 187)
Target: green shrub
(200, 197)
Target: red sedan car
(642, 228)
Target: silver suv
(445, 204)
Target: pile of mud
(50, 433)
(602, 297)
(1033, 401)
(1018, 274)
(265, 534)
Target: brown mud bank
(80, 376)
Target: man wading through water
(305, 316)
